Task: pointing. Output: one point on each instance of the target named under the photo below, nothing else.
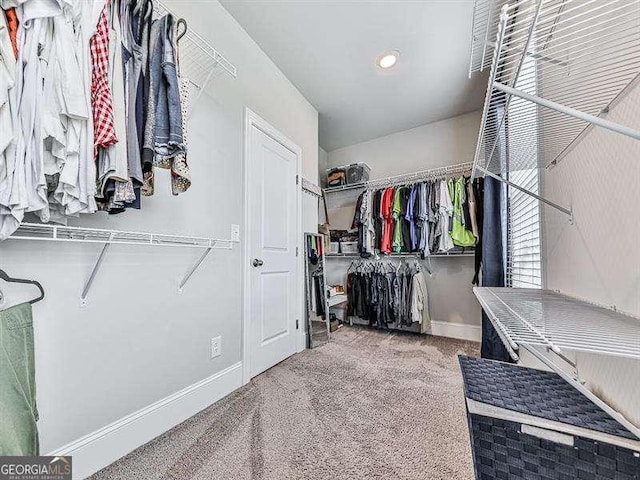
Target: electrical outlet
(235, 232)
(216, 345)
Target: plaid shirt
(101, 100)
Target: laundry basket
(533, 425)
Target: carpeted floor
(369, 405)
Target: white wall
(138, 340)
(437, 144)
(598, 258)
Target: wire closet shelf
(407, 179)
(558, 66)
(199, 61)
(535, 317)
(60, 233)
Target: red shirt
(386, 206)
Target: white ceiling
(328, 50)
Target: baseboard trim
(104, 446)
(460, 331)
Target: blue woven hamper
(527, 424)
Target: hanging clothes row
(429, 217)
(91, 101)
(388, 296)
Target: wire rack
(558, 66)
(556, 321)
(408, 178)
(59, 233)
(486, 15)
(199, 61)
(311, 188)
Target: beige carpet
(369, 405)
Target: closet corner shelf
(337, 299)
(557, 69)
(533, 317)
(405, 179)
(60, 233)
(199, 61)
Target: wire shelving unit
(558, 322)
(537, 320)
(199, 60)
(406, 179)
(59, 233)
(557, 69)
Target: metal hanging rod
(405, 179)
(401, 255)
(538, 107)
(60, 233)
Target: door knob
(257, 262)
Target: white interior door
(272, 234)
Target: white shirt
(446, 210)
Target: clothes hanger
(182, 22)
(4, 276)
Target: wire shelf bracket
(59, 233)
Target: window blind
(524, 261)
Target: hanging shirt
(397, 209)
(367, 222)
(459, 234)
(386, 208)
(8, 220)
(420, 301)
(423, 225)
(446, 210)
(472, 208)
(409, 217)
(101, 99)
(12, 27)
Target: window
(524, 264)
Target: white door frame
(251, 119)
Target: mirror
(316, 291)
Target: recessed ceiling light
(388, 59)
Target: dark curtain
(492, 264)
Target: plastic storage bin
(530, 424)
(335, 247)
(336, 177)
(349, 247)
(357, 173)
